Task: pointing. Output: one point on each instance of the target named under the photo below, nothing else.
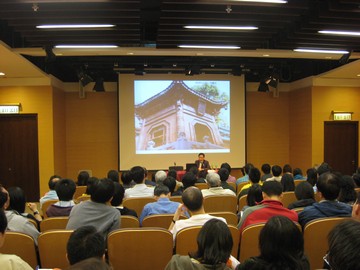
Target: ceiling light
(85, 46)
(340, 33)
(266, 55)
(209, 47)
(2, 74)
(72, 26)
(203, 27)
(264, 1)
(358, 75)
(320, 51)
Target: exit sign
(342, 116)
(10, 108)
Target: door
(341, 146)
(19, 163)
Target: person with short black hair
(246, 170)
(266, 169)
(96, 212)
(356, 178)
(323, 168)
(311, 177)
(287, 169)
(170, 182)
(65, 189)
(138, 174)
(117, 200)
(287, 182)
(201, 163)
(82, 178)
(126, 180)
(304, 193)
(347, 190)
(267, 208)
(188, 180)
(9, 261)
(298, 174)
(224, 176)
(90, 264)
(51, 194)
(328, 186)
(231, 179)
(113, 175)
(163, 205)
(276, 172)
(85, 242)
(254, 178)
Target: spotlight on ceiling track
(84, 78)
(50, 55)
(99, 85)
(268, 80)
(263, 87)
(345, 58)
(193, 70)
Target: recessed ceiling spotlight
(358, 75)
(85, 46)
(266, 55)
(321, 51)
(73, 26)
(339, 33)
(174, 65)
(214, 27)
(209, 47)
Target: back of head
(137, 174)
(3, 197)
(213, 179)
(311, 176)
(85, 242)
(161, 190)
(281, 243)
(272, 188)
(266, 168)
(102, 191)
(323, 168)
(276, 170)
(172, 173)
(160, 176)
(214, 243)
(17, 199)
(65, 189)
(118, 196)
(254, 195)
(304, 191)
(297, 171)
(194, 170)
(170, 182)
(347, 189)
(356, 178)
(254, 175)
(344, 246)
(224, 174)
(90, 184)
(82, 178)
(126, 177)
(287, 182)
(226, 166)
(188, 180)
(287, 168)
(90, 264)
(113, 175)
(329, 186)
(192, 198)
(52, 181)
(3, 221)
(248, 167)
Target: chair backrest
(22, 245)
(230, 217)
(33, 222)
(82, 198)
(287, 198)
(160, 220)
(46, 205)
(201, 186)
(239, 187)
(315, 239)
(220, 203)
(137, 204)
(80, 190)
(52, 248)
(134, 248)
(242, 202)
(176, 199)
(298, 182)
(129, 222)
(53, 223)
(232, 184)
(249, 241)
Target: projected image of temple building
(181, 118)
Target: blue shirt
(245, 178)
(162, 206)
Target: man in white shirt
(137, 174)
(215, 188)
(193, 204)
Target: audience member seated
(311, 178)
(193, 204)
(96, 212)
(117, 200)
(188, 180)
(163, 205)
(215, 188)
(65, 189)
(160, 177)
(201, 176)
(281, 246)
(356, 178)
(89, 185)
(85, 242)
(138, 174)
(323, 168)
(173, 173)
(90, 264)
(254, 178)
(266, 169)
(224, 176)
(231, 179)
(15, 221)
(267, 208)
(82, 178)
(344, 246)
(18, 204)
(253, 197)
(347, 190)
(126, 180)
(298, 174)
(356, 208)
(9, 261)
(276, 172)
(214, 248)
(304, 193)
(150, 183)
(245, 178)
(287, 169)
(51, 194)
(287, 182)
(328, 186)
(170, 182)
(113, 175)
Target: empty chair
(53, 223)
(137, 204)
(21, 245)
(52, 248)
(160, 220)
(220, 203)
(287, 198)
(140, 248)
(230, 217)
(129, 222)
(45, 206)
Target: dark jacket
(256, 263)
(301, 203)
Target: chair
(239, 187)
(242, 202)
(21, 245)
(315, 239)
(80, 190)
(249, 241)
(129, 222)
(357, 189)
(46, 205)
(53, 223)
(137, 204)
(298, 209)
(287, 198)
(220, 203)
(176, 199)
(52, 248)
(232, 184)
(201, 186)
(134, 248)
(33, 222)
(298, 182)
(230, 217)
(82, 198)
(160, 220)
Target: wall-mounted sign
(10, 108)
(342, 116)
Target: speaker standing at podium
(201, 163)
